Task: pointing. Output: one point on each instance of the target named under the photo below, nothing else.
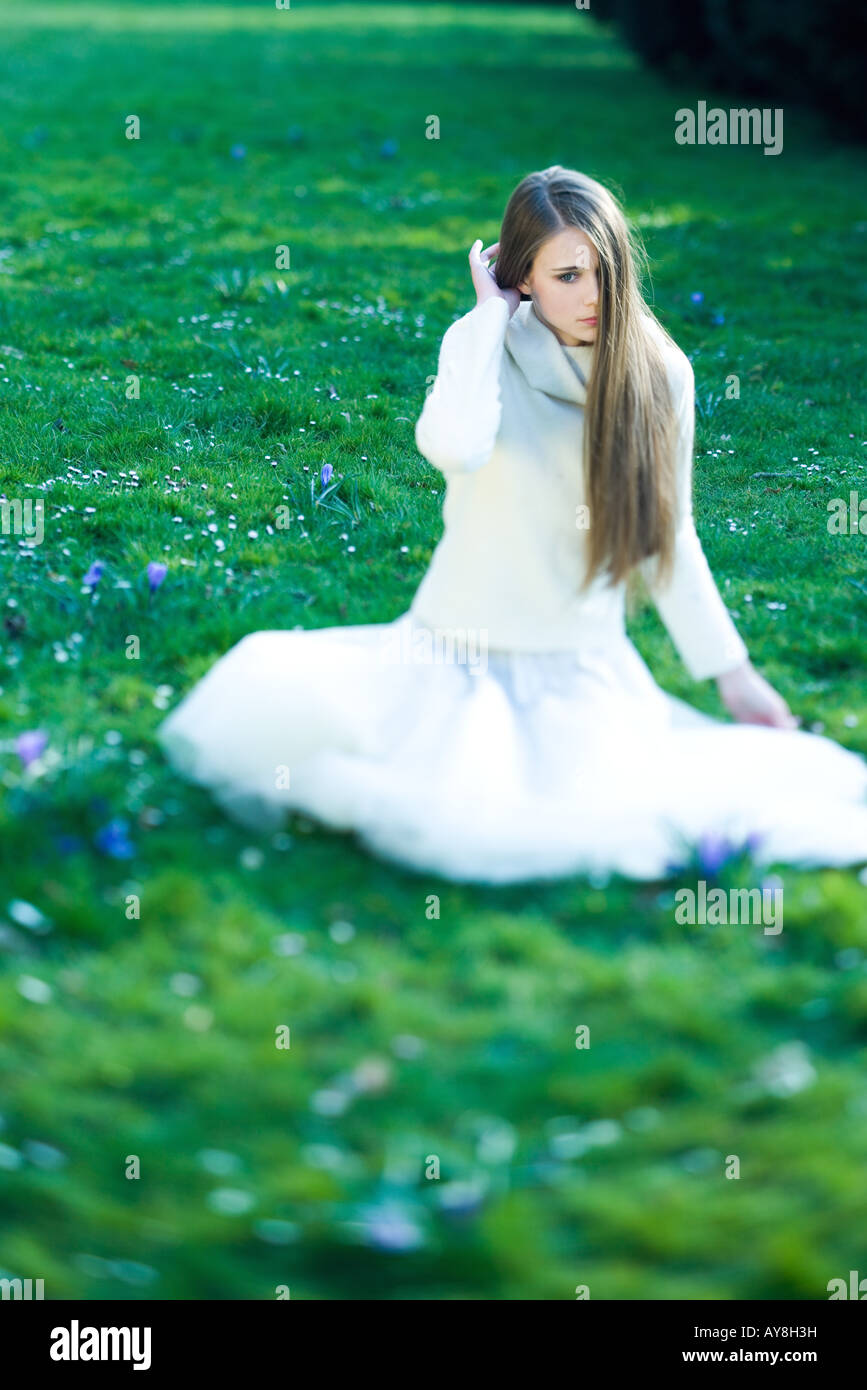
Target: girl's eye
(566, 276)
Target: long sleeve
(690, 604)
(458, 425)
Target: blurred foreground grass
(412, 1034)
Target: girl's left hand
(751, 700)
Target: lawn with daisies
(227, 258)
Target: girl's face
(564, 285)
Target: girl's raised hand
(483, 277)
(750, 699)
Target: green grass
(156, 258)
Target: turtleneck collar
(547, 365)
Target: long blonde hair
(629, 418)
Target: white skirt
(505, 767)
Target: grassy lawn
(412, 1034)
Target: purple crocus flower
(31, 745)
(390, 1226)
(68, 844)
(156, 572)
(696, 296)
(94, 574)
(714, 851)
(113, 840)
(327, 474)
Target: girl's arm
(750, 699)
(690, 604)
(460, 419)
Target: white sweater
(504, 424)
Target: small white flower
(230, 1201)
(37, 991)
(341, 932)
(185, 984)
(329, 1102)
(786, 1070)
(26, 915)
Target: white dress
(505, 728)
